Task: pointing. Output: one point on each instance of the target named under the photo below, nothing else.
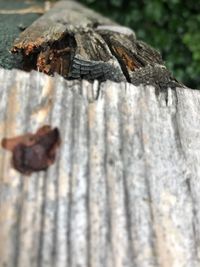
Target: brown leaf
(33, 152)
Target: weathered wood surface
(124, 190)
(69, 25)
(78, 43)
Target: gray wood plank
(124, 190)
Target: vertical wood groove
(124, 190)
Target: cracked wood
(93, 47)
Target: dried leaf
(33, 152)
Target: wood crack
(77, 43)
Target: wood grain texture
(66, 15)
(124, 190)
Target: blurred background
(171, 26)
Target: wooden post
(124, 188)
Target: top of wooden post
(79, 43)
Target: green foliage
(171, 26)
